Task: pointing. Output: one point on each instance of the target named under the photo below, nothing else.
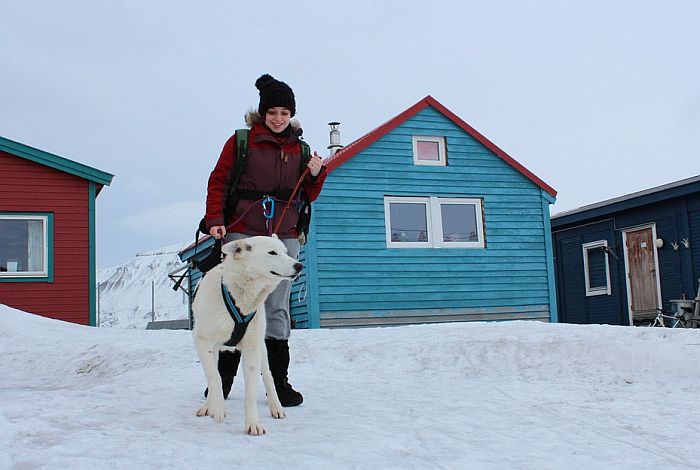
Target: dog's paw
(254, 429)
(277, 412)
(217, 411)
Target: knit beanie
(274, 93)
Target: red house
(47, 233)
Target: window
(429, 151)
(24, 246)
(596, 268)
(433, 222)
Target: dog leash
(291, 198)
(269, 213)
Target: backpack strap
(241, 151)
(305, 154)
(305, 157)
(241, 158)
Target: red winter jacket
(271, 167)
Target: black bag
(212, 258)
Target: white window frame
(434, 221)
(442, 155)
(477, 203)
(593, 291)
(387, 221)
(45, 229)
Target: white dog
(251, 269)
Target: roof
(346, 153)
(54, 161)
(629, 201)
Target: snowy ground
(516, 395)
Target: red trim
(365, 141)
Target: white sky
(597, 98)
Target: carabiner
(268, 215)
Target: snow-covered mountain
(126, 293)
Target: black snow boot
(228, 366)
(278, 357)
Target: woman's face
(277, 118)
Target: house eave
(54, 161)
(629, 201)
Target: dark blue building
(619, 260)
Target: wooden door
(642, 272)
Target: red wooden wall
(26, 186)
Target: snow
(515, 395)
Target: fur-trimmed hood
(253, 116)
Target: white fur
(251, 269)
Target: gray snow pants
(279, 321)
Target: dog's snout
(298, 267)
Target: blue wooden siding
(694, 236)
(574, 305)
(362, 282)
(299, 300)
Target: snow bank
(479, 395)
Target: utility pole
(98, 304)
(153, 301)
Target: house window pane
(409, 222)
(596, 268)
(428, 151)
(597, 272)
(459, 223)
(22, 245)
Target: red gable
(346, 153)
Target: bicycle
(677, 320)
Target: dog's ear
(236, 248)
(229, 248)
(274, 235)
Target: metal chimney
(335, 138)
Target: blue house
(425, 220)
(619, 260)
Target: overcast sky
(597, 98)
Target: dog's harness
(240, 323)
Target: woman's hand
(315, 164)
(218, 231)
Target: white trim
(433, 214)
(596, 290)
(45, 254)
(387, 221)
(440, 243)
(627, 267)
(442, 156)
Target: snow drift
(461, 395)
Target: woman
(272, 167)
